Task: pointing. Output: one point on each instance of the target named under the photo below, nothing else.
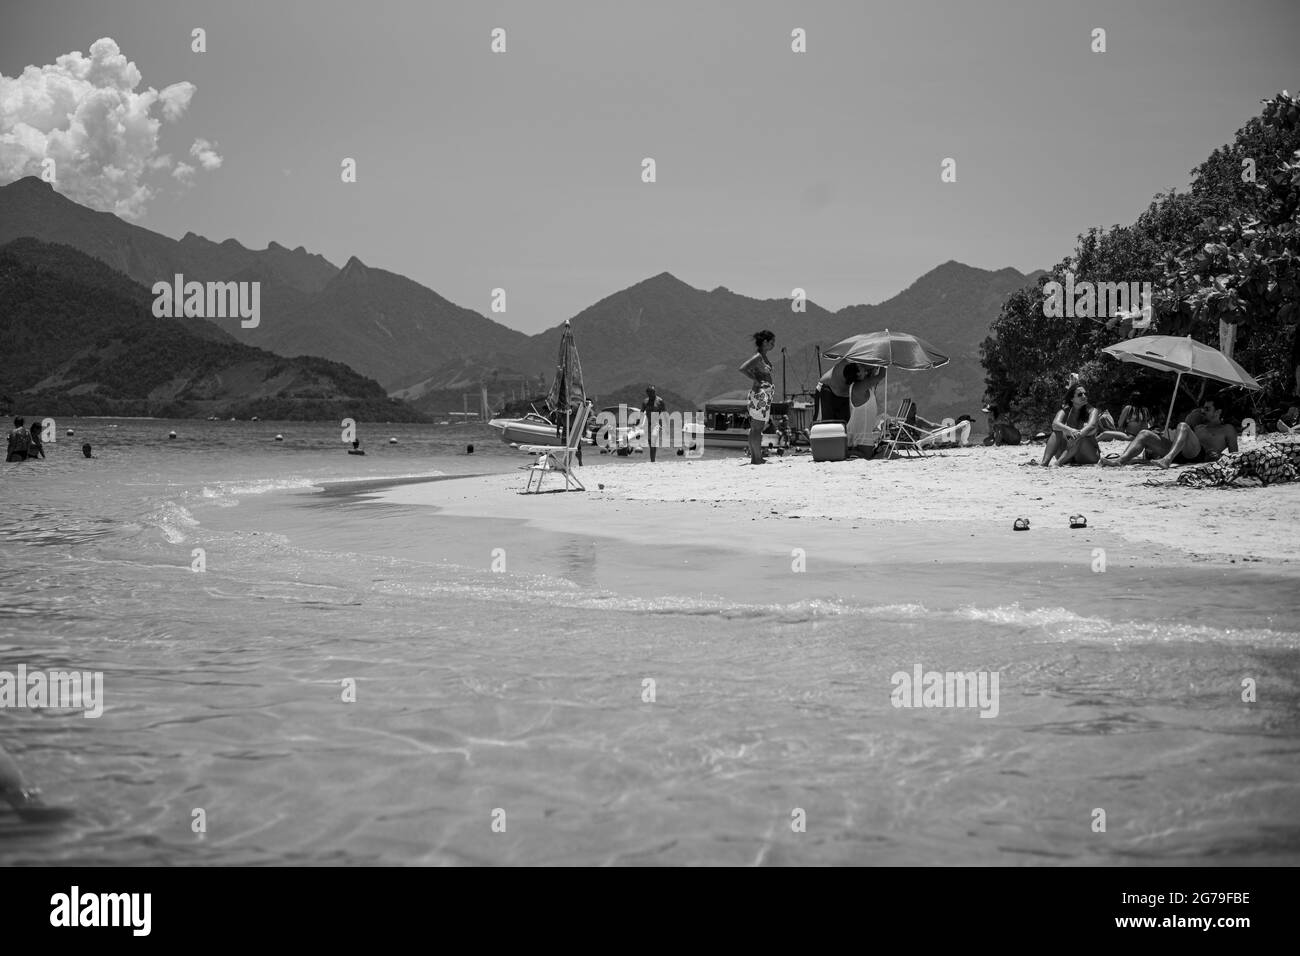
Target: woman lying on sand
(1074, 432)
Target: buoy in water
(392, 441)
(469, 449)
(171, 434)
(85, 450)
(279, 438)
(69, 432)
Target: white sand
(958, 503)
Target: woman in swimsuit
(1074, 431)
(864, 410)
(1135, 416)
(759, 370)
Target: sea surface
(354, 682)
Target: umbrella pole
(1173, 398)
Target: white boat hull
(519, 431)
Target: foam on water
(236, 489)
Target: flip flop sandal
(1022, 524)
(1078, 521)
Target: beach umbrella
(888, 350)
(567, 389)
(1186, 356)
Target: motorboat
(566, 396)
(726, 422)
(533, 429)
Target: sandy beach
(954, 505)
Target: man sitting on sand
(1202, 437)
(1001, 431)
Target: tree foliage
(1227, 249)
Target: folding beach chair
(904, 435)
(948, 433)
(562, 460)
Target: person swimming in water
(20, 441)
(37, 447)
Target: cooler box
(829, 440)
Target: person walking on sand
(1074, 431)
(759, 370)
(651, 409)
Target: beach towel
(1269, 463)
(1289, 445)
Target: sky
(522, 170)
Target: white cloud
(206, 154)
(85, 114)
(175, 99)
(183, 172)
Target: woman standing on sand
(1074, 431)
(864, 410)
(759, 369)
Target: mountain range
(80, 338)
(423, 348)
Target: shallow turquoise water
(522, 691)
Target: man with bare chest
(1202, 436)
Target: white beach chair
(903, 435)
(561, 460)
(949, 433)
